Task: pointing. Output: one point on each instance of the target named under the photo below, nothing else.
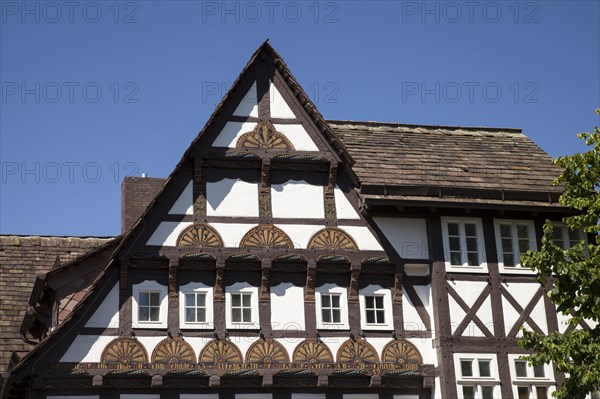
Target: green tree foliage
(575, 276)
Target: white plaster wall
(408, 236)
(166, 233)
(289, 344)
(107, 314)
(412, 320)
(232, 233)
(523, 293)
(249, 104)
(298, 136)
(300, 233)
(150, 343)
(333, 343)
(425, 346)
(184, 204)
(232, 197)
(343, 207)
(279, 108)
(287, 307)
(363, 238)
(231, 132)
(197, 343)
(86, 349)
(297, 199)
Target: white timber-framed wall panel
(297, 199)
(408, 236)
(470, 292)
(279, 107)
(231, 132)
(232, 197)
(86, 349)
(343, 206)
(523, 293)
(107, 314)
(248, 106)
(287, 307)
(184, 203)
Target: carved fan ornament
(401, 352)
(357, 351)
(331, 238)
(124, 350)
(264, 135)
(199, 235)
(220, 352)
(267, 351)
(312, 351)
(173, 351)
(266, 235)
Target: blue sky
(93, 91)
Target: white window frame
(531, 382)
(336, 290)
(482, 268)
(376, 290)
(565, 232)
(476, 380)
(242, 288)
(518, 267)
(196, 288)
(152, 286)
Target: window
(514, 238)
(478, 378)
(241, 302)
(149, 307)
(463, 243)
(375, 308)
(565, 237)
(196, 306)
(331, 307)
(530, 382)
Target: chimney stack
(136, 194)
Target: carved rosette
(330, 210)
(401, 352)
(266, 236)
(173, 351)
(199, 235)
(220, 352)
(357, 351)
(264, 205)
(312, 351)
(331, 238)
(267, 351)
(124, 350)
(264, 135)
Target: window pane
(521, 368)
(538, 371)
(473, 259)
(379, 302)
(189, 315)
(236, 315)
(542, 392)
(201, 315)
(201, 299)
(235, 300)
(144, 314)
(246, 300)
(154, 314)
(522, 231)
(523, 246)
(370, 316)
(472, 244)
(484, 368)
(470, 230)
(369, 302)
(455, 258)
(326, 315)
(154, 298)
(189, 300)
(453, 229)
(468, 392)
(509, 259)
(326, 301)
(454, 243)
(487, 392)
(144, 299)
(380, 317)
(247, 315)
(506, 245)
(505, 231)
(466, 366)
(523, 392)
(335, 301)
(336, 316)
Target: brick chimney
(136, 194)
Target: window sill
(466, 269)
(145, 324)
(197, 326)
(377, 327)
(243, 326)
(333, 327)
(515, 270)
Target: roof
(21, 259)
(398, 161)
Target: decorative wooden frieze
(266, 236)
(330, 210)
(264, 135)
(171, 350)
(124, 350)
(267, 351)
(200, 235)
(219, 351)
(312, 351)
(401, 352)
(311, 274)
(357, 351)
(264, 199)
(199, 190)
(332, 238)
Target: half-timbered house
(289, 257)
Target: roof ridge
(396, 124)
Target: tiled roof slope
(409, 158)
(21, 260)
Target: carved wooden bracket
(199, 189)
(264, 200)
(354, 275)
(311, 273)
(173, 264)
(397, 297)
(265, 294)
(219, 294)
